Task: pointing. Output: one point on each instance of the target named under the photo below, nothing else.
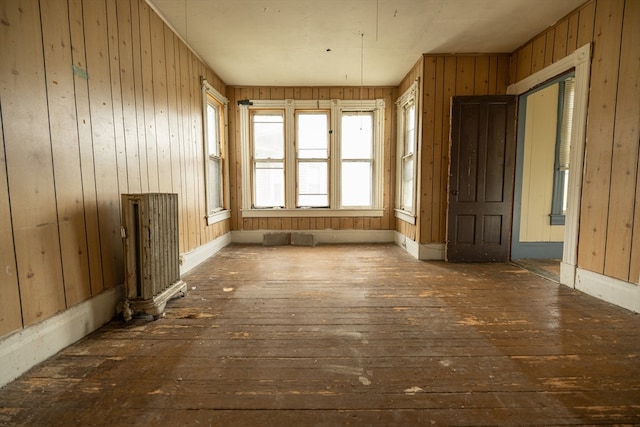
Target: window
(312, 137)
(356, 159)
(312, 158)
(563, 144)
(268, 159)
(215, 112)
(407, 155)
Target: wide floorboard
(351, 335)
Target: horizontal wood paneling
(386, 222)
(609, 240)
(125, 118)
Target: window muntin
(267, 138)
(356, 159)
(312, 157)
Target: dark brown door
(481, 175)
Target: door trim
(580, 60)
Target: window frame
(299, 160)
(335, 108)
(255, 161)
(210, 96)
(410, 96)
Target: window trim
(336, 108)
(219, 213)
(409, 96)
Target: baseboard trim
(614, 291)
(23, 350)
(321, 236)
(421, 251)
(191, 259)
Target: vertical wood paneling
(11, 317)
(159, 78)
(600, 135)
(524, 58)
(101, 108)
(174, 129)
(441, 155)
(560, 40)
(127, 87)
(73, 139)
(624, 166)
(586, 22)
(66, 151)
(538, 53)
(427, 153)
(149, 121)
(548, 54)
(116, 97)
(136, 43)
(28, 149)
(85, 139)
(572, 34)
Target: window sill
(406, 216)
(310, 212)
(218, 216)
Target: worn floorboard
(353, 335)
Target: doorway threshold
(546, 268)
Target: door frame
(580, 61)
(548, 250)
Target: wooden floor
(356, 335)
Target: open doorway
(545, 120)
(580, 62)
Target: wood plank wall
(386, 222)
(126, 118)
(609, 240)
(444, 76)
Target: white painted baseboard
(618, 292)
(421, 251)
(23, 350)
(189, 260)
(321, 236)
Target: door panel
(481, 175)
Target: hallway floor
(352, 335)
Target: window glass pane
(269, 184)
(268, 136)
(313, 184)
(356, 184)
(357, 136)
(410, 120)
(214, 190)
(407, 184)
(212, 131)
(312, 135)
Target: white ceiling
(348, 42)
